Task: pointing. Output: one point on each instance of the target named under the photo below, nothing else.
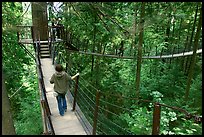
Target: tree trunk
(180, 26)
(168, 29)
(7, 120)
(97, 66)
(188, 62)
(40, 20)
(134, 30)
(193, 61)
(94, 43)
(139, 56)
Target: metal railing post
(44, 117)
(75, 92)
(173, 51)
(18, 36)
(53, 53)
(59, 60)
(96, 113)
(156, 50)
(156, 119)
(161, 52)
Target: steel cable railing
(105, 115)
(47, 123)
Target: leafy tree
(20, 74)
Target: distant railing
(25, 33)
(56, 32)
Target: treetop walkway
(90, 111)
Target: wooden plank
(68, 124)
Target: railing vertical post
(44, 117)
(156, 50)
(75, 92)
(156, 119)
(60, 54)
(161, 53)
(53, 53)
(32, 34)
(18, 36)
(66, 68)
(96, 113)
(173, 51)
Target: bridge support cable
(29, 53)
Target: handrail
(48, 127)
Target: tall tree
(188, 59)
(193, 61)
(40, 19)
(139, 56)
(7, 120)
(134, 28)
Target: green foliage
(167, 116)
(30, 120)
(139, 121)
(188, 128)
(196, 93)
(20, 74)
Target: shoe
(65, 110)
(61, 114)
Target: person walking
(61, 79)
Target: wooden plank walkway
(63, 125)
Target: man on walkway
(60, 79)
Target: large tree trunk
(40, 20)
(193, 61)
(7, 121)
(139, 56)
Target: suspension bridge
(90, 111)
